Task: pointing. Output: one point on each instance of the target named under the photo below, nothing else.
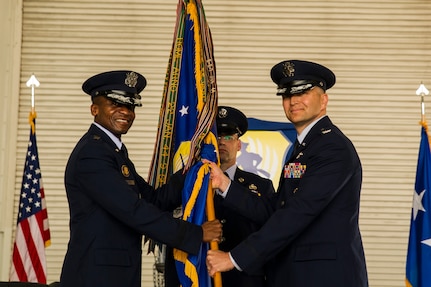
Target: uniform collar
(305, 132)
(116, 140)
(231, 171)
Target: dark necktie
(124, 151)
(296, 147)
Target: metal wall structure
(380, 51)
(10, 47)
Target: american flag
(32, 232)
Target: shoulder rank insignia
(325, 131)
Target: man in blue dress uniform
(111, 206)
(312, 237)
(237, 225)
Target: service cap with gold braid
(296, 77)
(122, 87)
(231, 121)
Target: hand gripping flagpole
(32, 82)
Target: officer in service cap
(231, 125)
(111, 205)
(313, 230)
(122, 87)
(296, 77)
(119, 88)
(297, 81)
(231, 121)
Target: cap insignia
(222, 113)
(131, 79)
(288, 69)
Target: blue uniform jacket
(240, 224)
(313, 237)
(111, 207)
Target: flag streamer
(192, 268)
(186, 131)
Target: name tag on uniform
(294, 170)
(130, 181)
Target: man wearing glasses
(231, 125)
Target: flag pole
(32, 82)
(422, 91)
(32, 234)
(211, 216)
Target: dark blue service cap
(296, 77)
(120, 86)
(231, 121)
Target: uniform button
(223, 221)
(282, 203)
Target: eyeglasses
(227, 138)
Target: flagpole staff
(211, 216)
(32, 82)
(422, 91)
